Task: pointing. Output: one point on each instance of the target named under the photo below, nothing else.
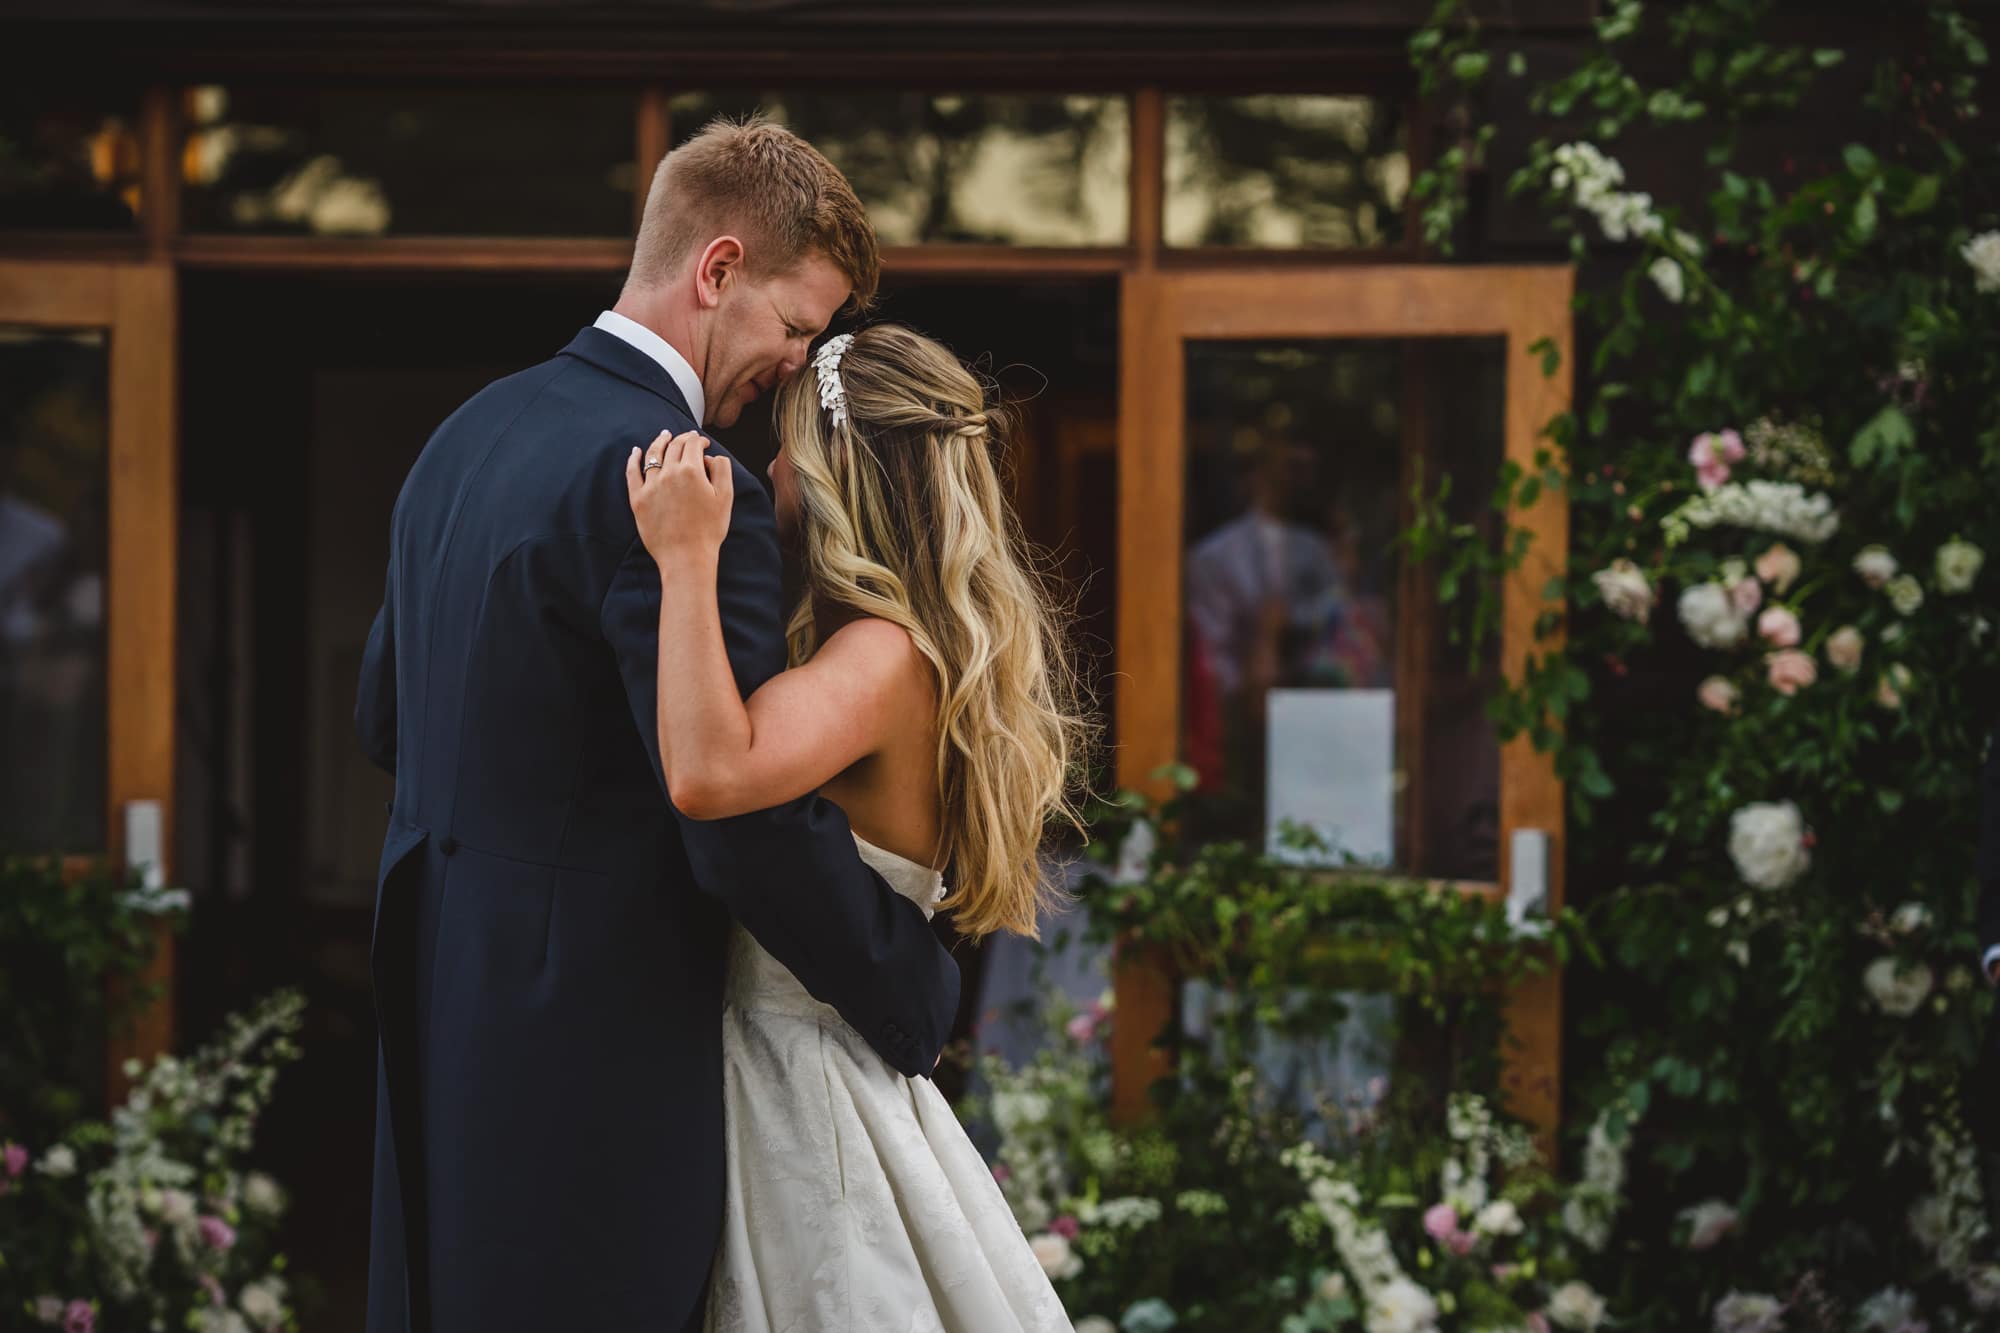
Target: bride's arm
(720, 755)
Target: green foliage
(1807, 1043)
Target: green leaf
(1827, 57)
(1923, 194)
(1517, 64)
(1470, 66)
(1864, 218)
(1886, 434)
(1860, 161)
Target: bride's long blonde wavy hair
(902, 515)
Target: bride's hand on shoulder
(680, 496)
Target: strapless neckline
(916, 881)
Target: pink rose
(1712, 453)
(1718, 694)
(15, 1158)
(1460, 1243)
(1537, 1322)
(1779, 567)
(1746, 595)
(218, 1234)
(1844, 648)
(1504, 1273)
(1791, 671)
(1440, 1221)
(1081, 1029)
(1001, 1173)
(1779, 628)
(1066, 1226)
(80, 1317)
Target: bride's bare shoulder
(881, 648)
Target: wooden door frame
(135, 306)
(1160, 312)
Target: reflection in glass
(67, 163)
(1285, 172)
(1000, 169)
(1306, 699)
(372, 162)
(52, 560)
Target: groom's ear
(720, 264)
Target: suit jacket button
(448, 845)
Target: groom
(550, 932)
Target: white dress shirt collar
(662, 351)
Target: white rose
(1054, 1255)
(1929, 1220)
(1401, 1306)
(1910, 918)
(1887, 1311)
(1708, 1222)
(1899, 990)
(1332, 1287)
(1844, 648)
(1624, 589)
(1667, 276)
(1738, 951)
(262, 1195)
(1588, 1224)
(1575, 1305)
(1749, 1312)
(59, 1160)
(1958, 564)
(1499, 1218)
(177, 1206)
(1983, 253)
(1767, 843)
(1095, 1323)
(215, 1319)
(1711, 618)
(1875, 566)
(49, 1309)
(1905, 594)
(1890, 689)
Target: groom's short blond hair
(756, 180)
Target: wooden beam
(160, 168)
(1147, 190)
(141, 584)
(655, 136)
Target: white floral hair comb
(826, 364)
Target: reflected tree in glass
(949, 168)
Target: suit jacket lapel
(615, 356)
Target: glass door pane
(1320, 689)
(54, 437)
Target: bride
(931, 697)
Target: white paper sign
(1331, 766)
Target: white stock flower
(1958, 565)
(1588, 1222)
(1982, 252)
(1575, 1305)
(1708, 1222)
(1982, 1288)
(1783, 507)
(264, 1301)
(1667, 276)
(1095, 1323)
(1898, 989)
(1332, 1287)
(218, 1319)
(1624, 588)
(59, 1160)
(1875, 566)
(49, 1309)
(1749, 1312)
(1887, 1311)
(1767, 843)
(1711, 619)
(1053, 1253)
(1499, 1218)
(1401, 1306)
(1905, 594)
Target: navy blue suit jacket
(549, 933)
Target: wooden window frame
(1161, 312)
(134, 305)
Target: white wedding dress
(855, 1200)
